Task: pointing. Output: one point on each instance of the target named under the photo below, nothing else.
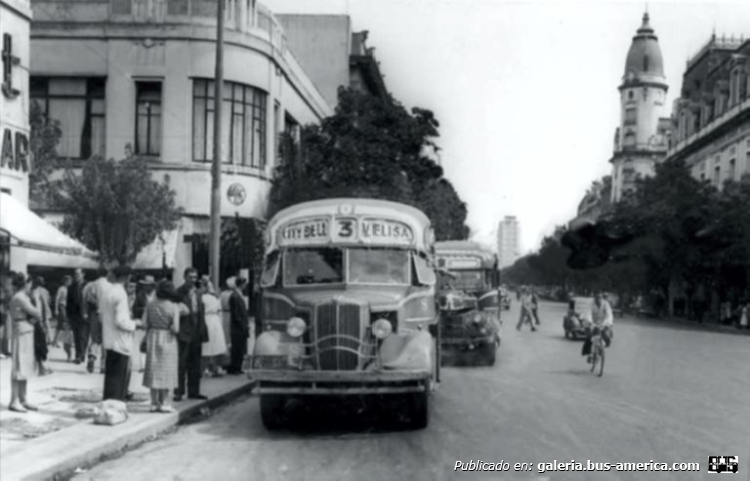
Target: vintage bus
(348, 306)
(470, 302)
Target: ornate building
(712, 116)
(643, 136)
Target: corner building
(136, 76)
(712, 116)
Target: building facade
(15, 17)
(333, 55)
(711, 119)
(508, 241)
(642, 138)
(136, 77)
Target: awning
(31, 232)
(160, 253)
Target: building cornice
(105, 31)
(20, 8)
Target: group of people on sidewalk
(174, 335)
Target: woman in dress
(216, 347)
(24, 316)
(162, 321)
(40, 299)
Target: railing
(715, 42)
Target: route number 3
(346, 228)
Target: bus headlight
(478, 318)
(296, 327)
(382, 328)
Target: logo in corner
(723, 464)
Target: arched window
(629, 140)
(645, 63)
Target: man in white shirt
(601, 317)
(117, 332)
(94, 294)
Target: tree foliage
(115, 208)
(370, 148)
(671, 231)
(45, 135)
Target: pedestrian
(192, 335)
(63, 332)
(24, 316)
(145, 293)
(162, 322)
(216, 347)
(238, 326)
(226, 315)
(743, 314)
(526, 310)
(76, 314)
(6, 294)
(94, 293)
(41, 328)
(117, 334)
(535, 306)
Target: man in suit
(193, 333)
(76, 314)
(239, 331)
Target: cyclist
(602, 318)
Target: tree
(115, 207)
(371, 148)
(45, 136)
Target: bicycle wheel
(601, 361)
(594, 358)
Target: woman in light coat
(216, 346)
(24, 316)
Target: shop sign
(385, 231)
(14, 151)
(308, 231)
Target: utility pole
(214, 243)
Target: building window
(630, 116)
(79, 105)
(645, 63)
(243, 125)
(717, 176)
(148, 118)
(731, 174)
(629, 140)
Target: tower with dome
(642, 138)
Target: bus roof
(350, 221)
(464, 255)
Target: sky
(525, 91)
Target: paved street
(669, 394)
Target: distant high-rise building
(508, 245)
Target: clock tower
(641, 140)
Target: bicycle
(597, 351)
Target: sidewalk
(40, 445)
(705, 326)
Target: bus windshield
(469, 280)
(313, 266)
(379, 266)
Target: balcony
(709, 129)
(242, 16)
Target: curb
(706, 327)
(59, 454)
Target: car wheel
(272, 411)
(420, 412)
